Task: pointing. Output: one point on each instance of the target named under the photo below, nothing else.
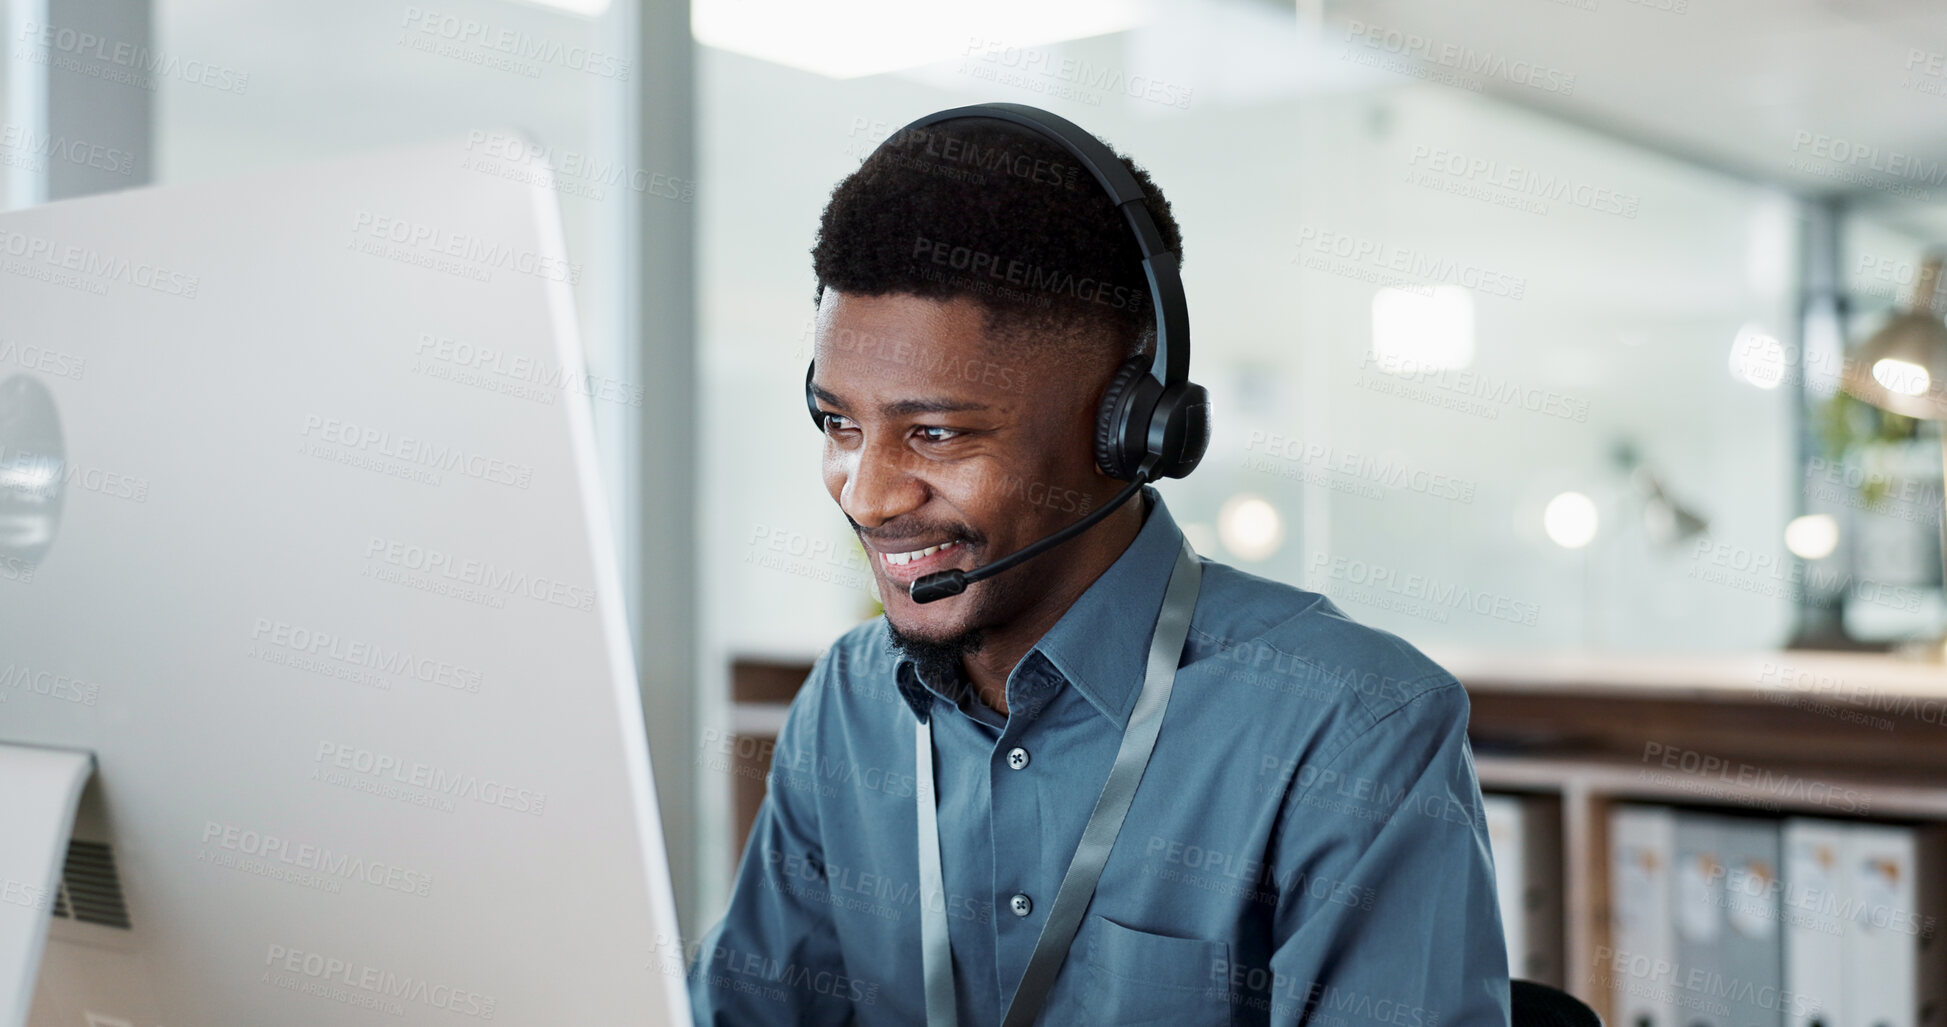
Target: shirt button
(1017, 758)
(1020, 904)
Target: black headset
(1153, 422)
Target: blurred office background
(1522, 319)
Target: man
(1306, 844)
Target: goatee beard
(937, 660)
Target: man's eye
(835, 422)
(934, 433)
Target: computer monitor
(301, 537)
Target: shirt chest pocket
(1120, 975)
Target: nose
(879, 484)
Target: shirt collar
(1101, 643)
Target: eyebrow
(907, 407)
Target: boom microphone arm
(942, 584)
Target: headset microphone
(1153, 422)
(941, 584)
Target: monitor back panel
(318, 566)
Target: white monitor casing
(322, 576)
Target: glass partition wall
(1457, 351)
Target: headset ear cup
(1110, 455)
(811, 401)
(1191, 432)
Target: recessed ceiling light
(1423, 328)
(589, 8)
(851, 38)
(1570, 520)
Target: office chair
(1538, 1005)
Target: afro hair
(983, 209)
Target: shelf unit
(1790, 732)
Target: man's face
(939, 437)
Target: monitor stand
(39, 791)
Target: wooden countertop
(1869, 678)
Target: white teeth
(901, 559)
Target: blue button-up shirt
(1307, 844)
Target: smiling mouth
(901, 559)
(910, 566)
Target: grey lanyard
(1098, 837)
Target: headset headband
(1171, 362)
